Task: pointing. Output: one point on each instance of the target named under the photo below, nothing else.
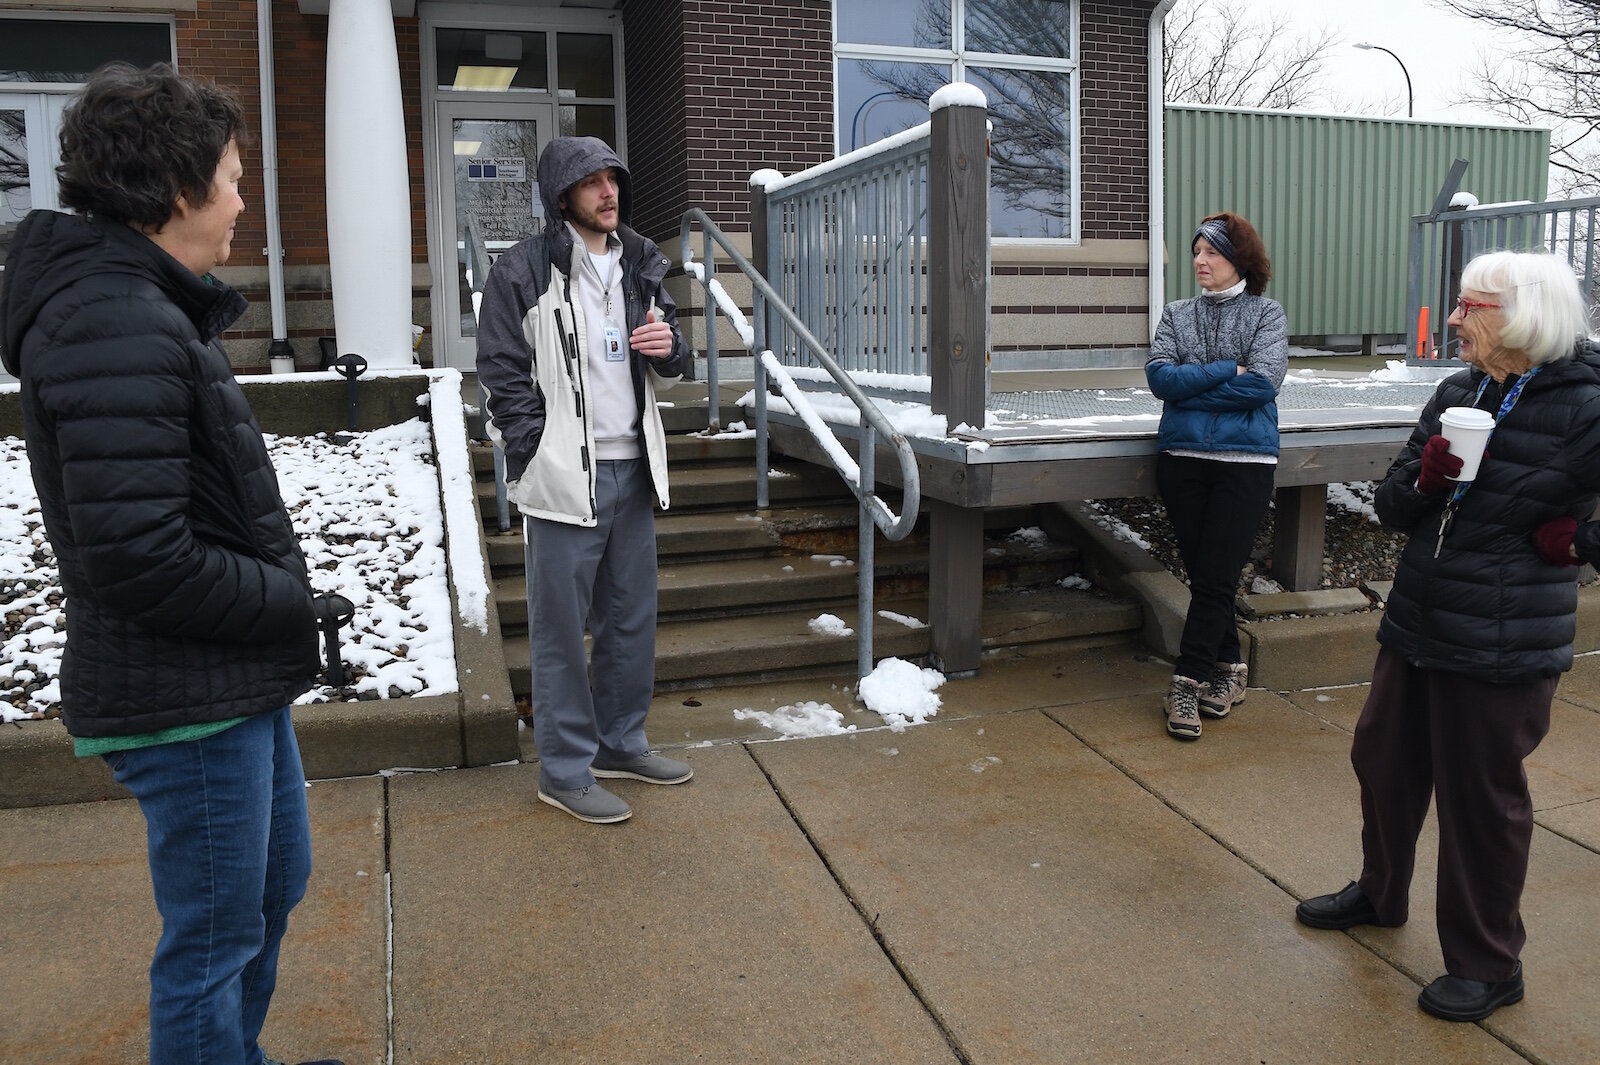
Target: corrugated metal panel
(1333, 199)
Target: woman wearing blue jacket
(1216, 363)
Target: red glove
(1437, 466)
(1554, 541)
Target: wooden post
(760, 252)
(958, 262)
(958, 356)
(1299, 535)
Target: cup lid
(1467, 418)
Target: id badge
(616, 351)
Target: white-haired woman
(1479, 626)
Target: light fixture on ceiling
(483, 79)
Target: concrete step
(765, 647)
(683, 449)
(744, 586)
(724, 485)
(705, 534)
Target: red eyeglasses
(1465, 306)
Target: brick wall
(750, 86)
(658, 155)
(1113, 116)
(219, 42)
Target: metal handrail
(478, 268)
(873, 511)
(1446, 238)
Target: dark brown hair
(135, 140)
(1249, 254)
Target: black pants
(1215, 509)
(1431, 732)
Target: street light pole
(1410, 108)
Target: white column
(369, 194)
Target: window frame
(34, 14)
(959, 60)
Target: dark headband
(1215, 230)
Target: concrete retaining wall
(474, 726)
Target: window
(42, 63)
(891, 55)
(56, 51)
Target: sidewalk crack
(870, 920)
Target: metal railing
(1446, 239)
(478, 270)
(858, 474)
(846, 249)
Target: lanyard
(1461, 487)
(611, 273)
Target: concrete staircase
(739, 589)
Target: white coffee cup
(1467, 429)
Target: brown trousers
(1428, 731)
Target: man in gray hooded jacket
(575, 335)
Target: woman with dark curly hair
(1216, 363)
(190, 619)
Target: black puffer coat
(187, 598)
(1489, 606)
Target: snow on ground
(802, 720)
(366, 507)
(829, 625)
(899, 692)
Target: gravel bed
(1358, 549)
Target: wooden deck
(1036, 459)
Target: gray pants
(605, 577)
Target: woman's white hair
(1539, 296)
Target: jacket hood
(566, 161)
(51, 251)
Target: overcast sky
(1438, 48)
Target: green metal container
(1333, 199)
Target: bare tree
(1549, 76)
(1216, 54)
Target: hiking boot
(319, 1061)
(1226, 687)
(648, 767)
(593, 804)
(1183, 708)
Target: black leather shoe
(1344, 909)
(1451, 998)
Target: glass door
(489, 201)
(28, 153)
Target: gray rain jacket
(532, 355)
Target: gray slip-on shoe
(649, 767)
(593, 804)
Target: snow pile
(1118, 529)
(460, 498)
(796, 722)
(1395, 370)
(1031, 535)
(901, 693)
(828, 625)
(366, 507)
(1356, 497)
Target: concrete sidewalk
(1038, 875)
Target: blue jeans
(230, 854)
